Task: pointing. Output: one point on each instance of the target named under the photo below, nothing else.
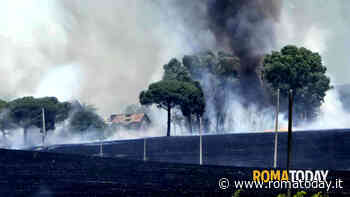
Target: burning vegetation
(225, 73)
(220, 78)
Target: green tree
(319, 194)
(168, 94)
(6, 122)
(300, 194)
(302, 71)
(51, 107)
(26, 112)
(63, 111)
(227, 66)
(222, 64)
(237, 193)
(174, 70)
(193, 103)
(200, 63)
(3, 104)
(85, 118)
(227, 69)
(218, 74)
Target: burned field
(77, 170)
(326, 149)
(30, 173)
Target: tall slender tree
(167, 94)
(302, 71)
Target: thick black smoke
(245, 28)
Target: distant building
(138, 121)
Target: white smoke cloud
(62, 82)
(117, 48)
(106, 52)
(316, 39)
(321, 26)
(332, 114)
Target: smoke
(105, 52)
(321, 26)
(62, 82)
(234, 115)
(250, 118)
(136, 134)
(245, 26)
(332, 114)
(99, 53)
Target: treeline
(202, 85)
(26, 113)
(199, 87)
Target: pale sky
(21, 19)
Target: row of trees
(26, 113)
(219, 75)
(212, 74)
(204, 79)
(184, 82)
(199, 83)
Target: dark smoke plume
(243, 27)
(246, 27)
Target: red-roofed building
(138, 121)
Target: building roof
(128, 118)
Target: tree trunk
(181, 129)
(306, 116)
(217, 123)
(169, 119)
(198, 122)
(174, 125)
(189, 120)
(4, 137)
(25, 135)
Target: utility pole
(276, 129)
(173, 120)
(290, 125)
(144, 150)
(44, 127)
(200, 142)
(101, 147)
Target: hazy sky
(105, 52)
(322, 26)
